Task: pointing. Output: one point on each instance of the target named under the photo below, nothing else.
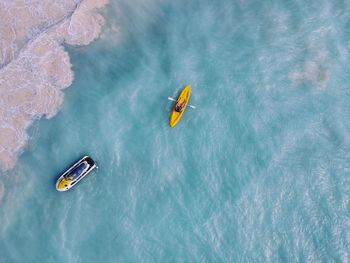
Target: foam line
(34, 67)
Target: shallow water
(258, 172)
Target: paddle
(193, 107)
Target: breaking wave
(34, 67)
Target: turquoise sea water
(258, 172)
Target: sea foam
(34, 67)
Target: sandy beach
(34, 67)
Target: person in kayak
(180, 106)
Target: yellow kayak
(180, 106)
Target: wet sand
(34, 67)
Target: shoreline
(35, 67)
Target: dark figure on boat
(180, 106)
